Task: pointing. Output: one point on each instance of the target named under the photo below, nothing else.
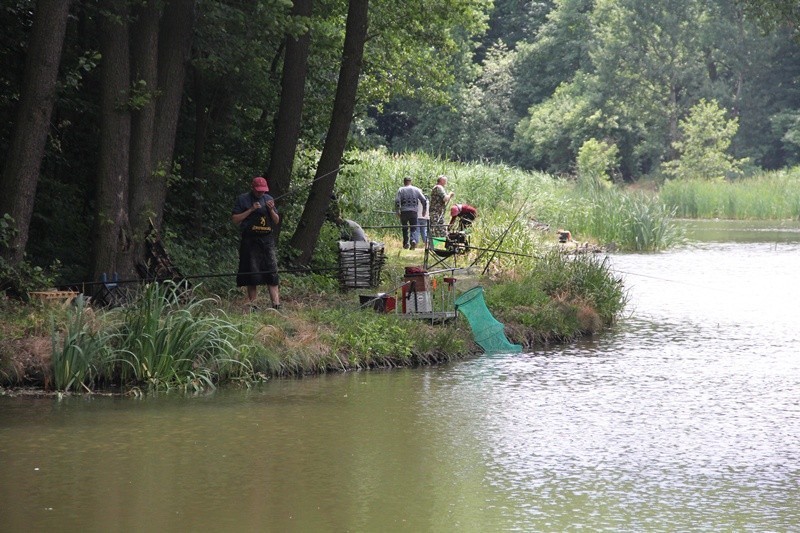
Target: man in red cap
(465, 213)
(256, 215)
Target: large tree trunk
(144, 64)
(112, 239)
(307, 234)
(290, 110)
(24, 158)
(175, 45)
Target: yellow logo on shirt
(261, 226)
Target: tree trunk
(307, 234)
(24, 158)
(174, 47)
(290, 109)
(144, 63)
(112, 240)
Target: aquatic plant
(167, 340)
(631, 220)
(366, 189)
(77, 351)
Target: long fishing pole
(502, 237)
(214, 275)
(114, 282)
(297, 189)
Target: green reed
(167, 339)
(561, 296)
(770, 195)
(367, 188)
(77, 351)
(630, 220)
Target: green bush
(18, 280)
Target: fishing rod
(504, 252)
(113, 282)
(297, 189)
(383, 227)
(672, 281)
(502, 237)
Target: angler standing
(439, 199)
(256, 215)
(405, 203)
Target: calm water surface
(686, 417)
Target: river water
(685, 417)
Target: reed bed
(559, 297)
(630, 220)
(771, 195)
(367, 188)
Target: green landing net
(489, 333)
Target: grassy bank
(170, 338)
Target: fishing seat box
(420, 278)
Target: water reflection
(685, 417)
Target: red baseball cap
(260, 184)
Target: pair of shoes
(276, 307)
(405, 247)
(413, 245)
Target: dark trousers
(408, 220)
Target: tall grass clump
(367, 188)
(773, 195)
(631, 220)
(507, 232)
(78, 351)
(167, 339)
(561, 296)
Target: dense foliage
(604, 91)
(621, 71)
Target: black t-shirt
(258, 222)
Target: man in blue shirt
(256, 215)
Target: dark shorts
(258, 262)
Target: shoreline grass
(773, 195)
(171, 339)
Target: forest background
(117, 113)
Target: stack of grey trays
(360, 264)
